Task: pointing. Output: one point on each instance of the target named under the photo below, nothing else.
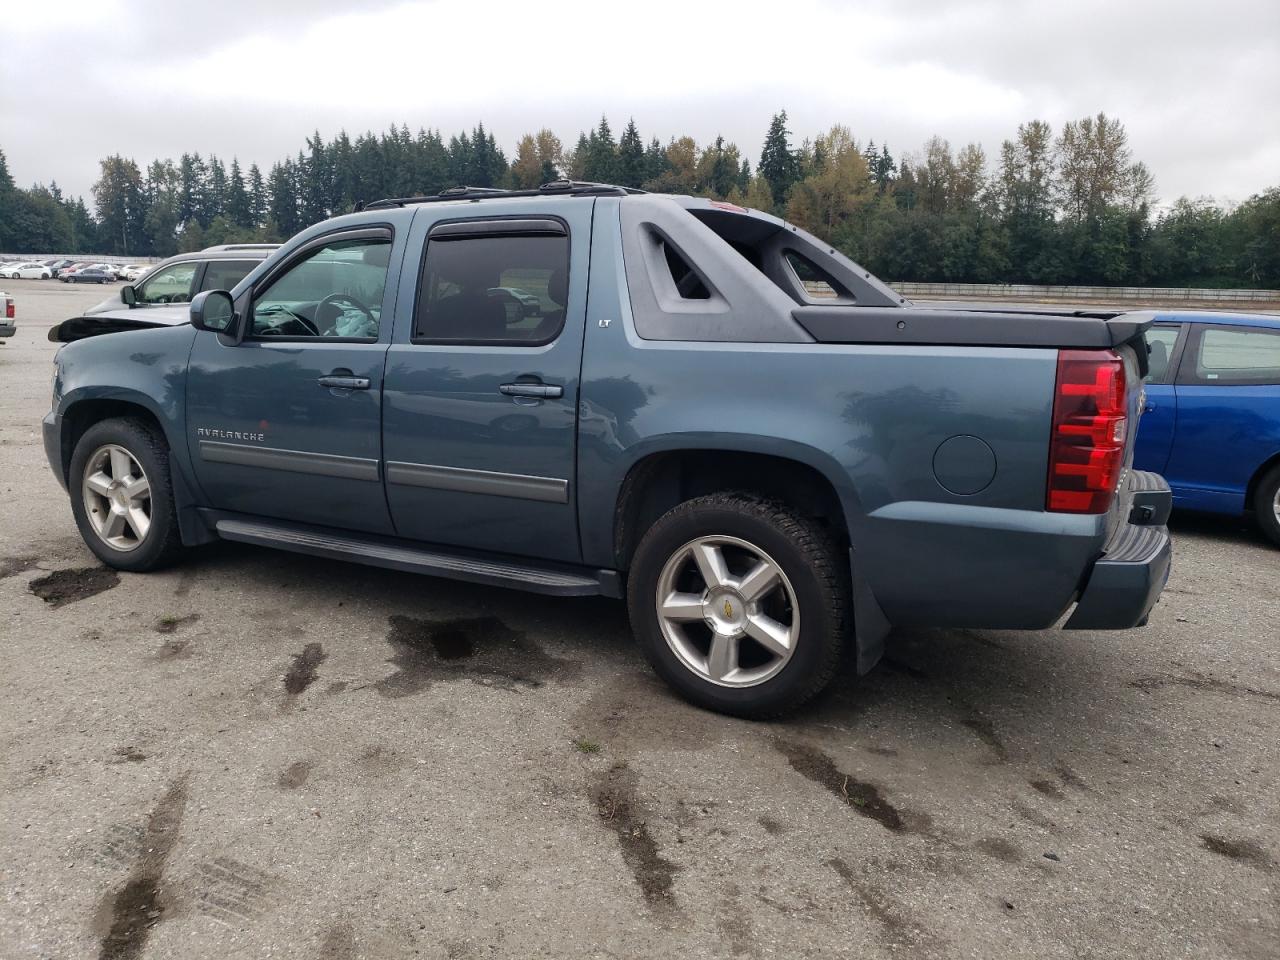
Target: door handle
(344, 382)
(541, 391)
(1149, 408)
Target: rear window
(496, 289)
(1238, 356)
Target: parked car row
(62, 269)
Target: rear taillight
(1086, 449)
(8, 309)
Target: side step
(436, 562)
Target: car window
(481, 289)
(334, 291)
(1160, 343)
(171, 284)
(225, 274)
(1238, 356)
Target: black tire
(1264, 504)
(809, 558)
(144, 442)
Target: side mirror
(128, 295)
(213, 310)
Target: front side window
(1238, 356)
(225, 274)
(1160, 344)
(334, 291)
(479, 289)
(171, 284)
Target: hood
(115, 321)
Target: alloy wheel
(117, 497)
(728, 611)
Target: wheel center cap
(118, 497)
(725, 610)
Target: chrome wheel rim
(117, 497)
(1275, 505)
(728, 611)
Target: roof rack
(569, 188)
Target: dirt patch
(127, 755)
(302, 671)
(378, 760)
(139, 905)
(865, 798)
(482, 649)
(232, 892)
(1205, 684)
(173, 624)
(1242, 851)
(67, 586)
(620, 809)
(999, 849)
(294, 775)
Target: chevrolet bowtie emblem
(728, 609)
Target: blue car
(1211, 424)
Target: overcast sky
(1197, 84)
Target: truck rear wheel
(740, 604)
(1266, 505)
(122, 496)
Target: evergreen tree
(237, 205)
(631, 170)
(257, 197)
(282, 205)
(778, 165)
(601, 165)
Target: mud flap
(870, 627)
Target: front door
(480, 404)
(287, 423)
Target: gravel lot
(258, 754)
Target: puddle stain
(232, 892)
(128, 755)
(482, 649)
(895, 927)
(339, 943)
(294, 775)
(168, 625)
(12, 566)
(865, 798)
(771, 826)
(302, 671)
(1048, 788)
(1242, 851)
(620, 809)
(174, 649)
(983, 728)
(999, 849)
(1199, 681)
(67, 586)
(139, 905)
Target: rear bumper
(1127, 580)
(7, 329)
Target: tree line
(1067, 207)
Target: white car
(26, 270)
(131, 271)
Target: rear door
(1160, 415)
(480, 407)
(1228, 414)
(287, 423)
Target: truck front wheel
(740, 603)
(122, 496)
(1266, 505)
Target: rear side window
(1160, 344)
(1238, 356)
(171, 284)
(225, 274)
(493, 290)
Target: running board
(412, 558)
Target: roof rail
(570, 188)
(240, 246)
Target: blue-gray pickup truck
(583, 390)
